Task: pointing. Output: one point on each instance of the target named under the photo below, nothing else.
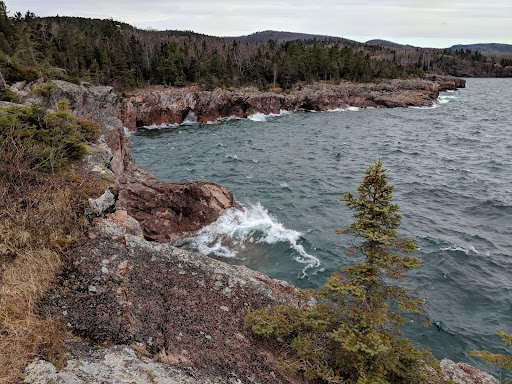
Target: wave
(470, 249)
(253, 224)
(224, 119)
(258, 116)
(159, 126)
(232, 157)
(443, 99)
(349, 108)
(191, 119)
(433, 106)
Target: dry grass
(40, 218)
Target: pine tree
(352, 334)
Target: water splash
(262, 117)
(253, 224)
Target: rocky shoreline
(128, 288)
(157, 105)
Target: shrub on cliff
(41, 216)
(89, 130)
(42, 90)
(352, 335)
(49, 139)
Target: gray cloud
(435, 23)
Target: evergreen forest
(108, 52)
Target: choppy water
(451, 166)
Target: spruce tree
(352, 334)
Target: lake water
(452, 170)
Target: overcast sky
(426, 23)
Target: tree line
(113, 53)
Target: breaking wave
(349, 108)
(236, 228)
(262, 117)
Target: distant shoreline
(169, 105)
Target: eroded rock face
(185, 308)
(96, 103)
(462, 373)
(166, 211)
(172, 105)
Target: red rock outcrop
(156, 106)
(166, 211)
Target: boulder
(115, 364)
(103, 204)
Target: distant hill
(485, 48)
(281, 36)
(388, 44)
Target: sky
(425, 23)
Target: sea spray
(263, 117)
(237, 228)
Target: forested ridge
(113, 53)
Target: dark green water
(451, 166)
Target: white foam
(258, 116)
(190, 119)
(229, 118)
(252, 224)
(443, 99)
(349, 108)
(127, 132)
(467, 250)
(160, 126)
(425, 107)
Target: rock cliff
(128, 288)
(156, 106)
(168, 210)
(165, 210)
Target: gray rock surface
(119, 288)
(462, 373)
(116, 364)
(103, 204)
